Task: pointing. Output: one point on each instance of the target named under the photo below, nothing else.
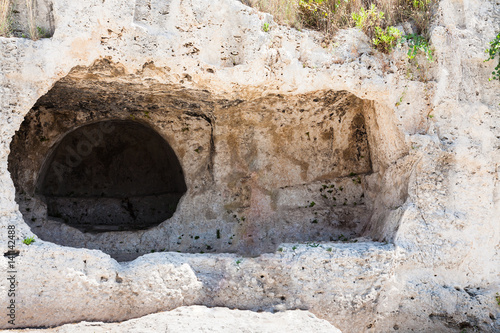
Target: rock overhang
(259, 171)
(288, 62)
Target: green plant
(239, 261)
(313, 244)
(312, 204)
(5, 18)
(386, 40)
(372, 22)
(265, 27)
(398, 103)
(494, 51)
(294, 247)
(369, 20)
(42, 33)
(343, 238)
(29, 240)
(329, 249)
(497, 298)
(417, 43)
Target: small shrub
(314, 14)
(328, 15)
(493, 52)
(417, 43)
(369, 20)
(29, 240)
(386, 40)
(420, 11)
(265, 27)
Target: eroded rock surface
(201, 319)
(263, 124)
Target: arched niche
(111, 175)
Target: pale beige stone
(427, 257)
(201, 319)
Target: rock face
(201, 319)
(355, 185)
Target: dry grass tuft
(284, 11)
(32, 29)
(5, 18)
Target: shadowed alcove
(97, 164)
(111, 176)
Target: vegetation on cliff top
(330, 15)
(377, 18)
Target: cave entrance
(94, 167)
(113, 175)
